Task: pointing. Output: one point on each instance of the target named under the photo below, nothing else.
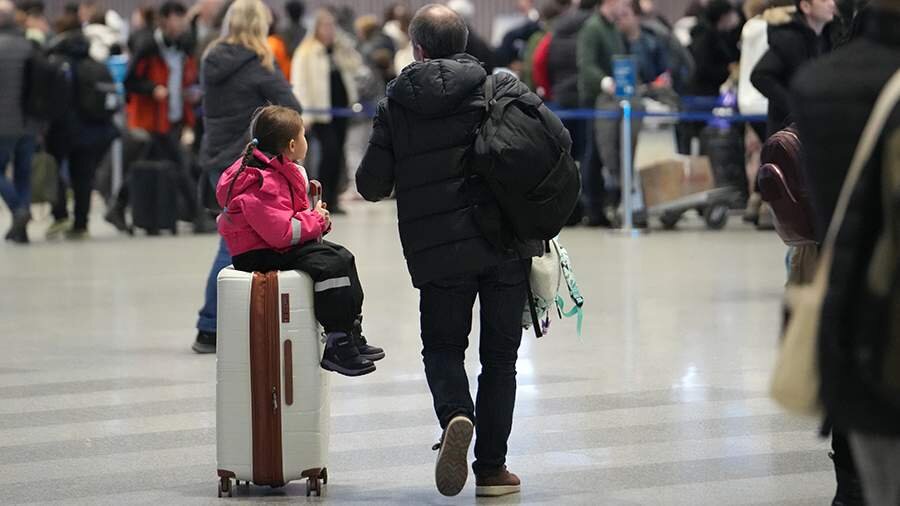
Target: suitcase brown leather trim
(288, 373)
(265, 380)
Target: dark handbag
(783, 186)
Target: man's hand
(160, 93)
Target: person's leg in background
(206, 321)
(341, 125)
(878, 460)
(83, 162)
(329, 168)
(330, 139)
(503, 293)
(23, 153)
(753, 142)
(849, 487)
(576, 131)
(172, 149)
(445, 308)
(592, 180)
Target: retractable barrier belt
(583, 114)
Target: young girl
(267, 225)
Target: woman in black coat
(237, 78)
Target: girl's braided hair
(272, 128)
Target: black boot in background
(18, 233)
(849, 488)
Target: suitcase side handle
(288, 373)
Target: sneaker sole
(203, 349)
(452, 468)
(333, 367)
(497, 491)
(373, 358)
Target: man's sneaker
(452, 468)
(495, 485)
(205, 343)
(366, 350)
(342, 357)
(76, 234)
(58, 228)
(116, 217)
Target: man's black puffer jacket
(421, 146)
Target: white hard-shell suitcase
(272, 397)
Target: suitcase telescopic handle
(315, 196)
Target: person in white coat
(322, 76)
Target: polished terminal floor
(662, 401)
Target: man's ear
(419, 53)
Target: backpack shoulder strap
(489, 85)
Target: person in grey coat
(17, 137)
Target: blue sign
(625, 74)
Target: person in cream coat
(322, 76)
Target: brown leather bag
(782, 184)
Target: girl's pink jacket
(269, 207)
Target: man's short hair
(295, 10)
(588, 5)
(171, 8)
(439, 31)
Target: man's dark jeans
(446, 318)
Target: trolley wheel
(225, 487)
(670, 220)
(324, 476)
(716, 216)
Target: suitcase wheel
(314, 485)
(670, 220)
(716, 216)
(225, 487)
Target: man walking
(16, 132)
(420, 147)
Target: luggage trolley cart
(673, 187)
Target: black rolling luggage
(153, 194)
(725, 147)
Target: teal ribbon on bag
(575, 311)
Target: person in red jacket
(267, 225)
(162, 89)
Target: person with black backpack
(84, 131)
(16, 131)
(482, 173)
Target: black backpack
(96, 95)
(48, 87)
(523, 154)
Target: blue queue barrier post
(118, 67)
(627, 161)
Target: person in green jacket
(598, 41)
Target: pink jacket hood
(268, 206)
